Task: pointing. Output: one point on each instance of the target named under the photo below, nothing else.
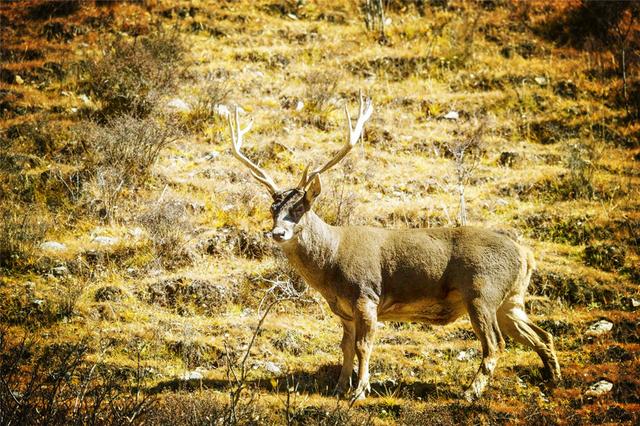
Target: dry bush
(169, 228)
(466, 148)
(203, 112)
(21, 231)
(57, 384)
(119, 156)
(320, 88)
(131, 76)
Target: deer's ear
(313, 190)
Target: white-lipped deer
(435, 275)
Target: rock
(452, 115)
(212, 156)
(272, 368)
(19, 80)
(467, 355)
(540, 81)
(600, 388)
(192, 375)
(299, 106)
(599, 328)
(510, 158)
(179, 105)
(53, 246)
(104, 240)
(136, 232)
(635, 303)
(60, 271)
(85, 99)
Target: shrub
(120, 154)
(57, 384)
(169, 226)
(20, 233)
(213, 94)
(130, 77)
(319, 91)
(608, 257)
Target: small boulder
(599, 328)
(60, 271)
(103, 240)
(452, 115)
(192, 375)
(53, 246)
(272, 368)
(179, 105)
(600, 388)
(467, 355)
(541, 81)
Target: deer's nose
(278, 234)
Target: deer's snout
(279, 234)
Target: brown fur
(430, 275)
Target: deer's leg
(348, 346)
(366, 318)
(485, 325)
(515, 323)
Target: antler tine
(364, 113)
(236, 142)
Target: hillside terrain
(137, 284)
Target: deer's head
(289, 206)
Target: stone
(136, 232)
(60, 271)
(599, 328)
(299, 106)
(452, 115)
(178, 104)
(53, 246)
(192, 375)
(85, 99)
(599, 388)
(540, 81)
(467, 355)
(104, 240)
(213, 155)
(272, 368)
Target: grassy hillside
(134, 270)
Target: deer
(369, 274)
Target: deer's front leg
(348, 346)
(366, 318)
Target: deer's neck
(313, 249)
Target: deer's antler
(236, 139)
(364, 113)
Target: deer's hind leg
(485, 324)
(515, 323)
